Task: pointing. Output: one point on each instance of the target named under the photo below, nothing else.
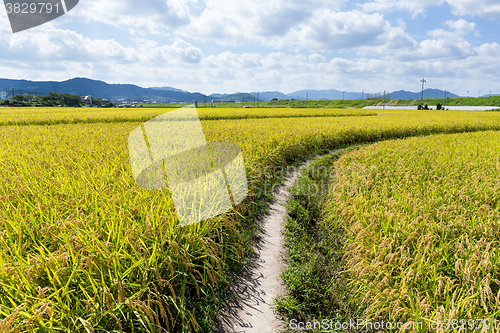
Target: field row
(61, 115)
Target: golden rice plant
(66, 115)
(85, 250)
(422, 219)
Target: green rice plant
(421, 217)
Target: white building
(86, 99)
(3, 95)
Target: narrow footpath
(255, 288)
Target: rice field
(422, 223)
(65, 115)
(85, 250)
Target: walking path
(258, 286)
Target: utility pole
(307, 98)
(444, 104)
(384, 99)
(258, 98)
(343, 95)
(422, 100)
(362, 94)
(467, 94)
(479, 94)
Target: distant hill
(428, 93)
(266, 96)
(168, 89)
(331, 94)
(236, 97)
(83, 86)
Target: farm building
(3, 95)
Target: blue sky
(261, 45)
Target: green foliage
(54, 99)
(314, 276)
(360, 103)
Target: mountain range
(98, 89)
(115, 92)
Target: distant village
(54, 99)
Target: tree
(70, 100)
(97, 101)
(53, 99)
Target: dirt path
(258, 286)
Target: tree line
(54, 99)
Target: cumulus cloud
(230, 22)
(63, 45)
(416, 7)
(462, 27)
(332, 31)
(316, 58)
(142, 17)
(57, 45)
(372, 75)
(246, 60)
(487, 9)
(179, 51)
(442, 45)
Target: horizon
(492, 93)
(216, 46)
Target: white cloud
(462, 27)
(328, 30)
(372, 75)
(416, 7)
(442, 45)
(231, 22)
(487, 9)
(143, 17)
(441, 49)
(180, 51)
(246, 60)
(316, 58)
(63, 45)
(57, 45)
